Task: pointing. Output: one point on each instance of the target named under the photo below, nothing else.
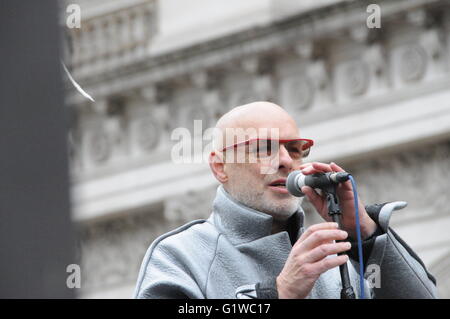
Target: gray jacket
(233, 254)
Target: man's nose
(285, 161)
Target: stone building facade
(375, 100)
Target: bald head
(253, 113)
(254, 118)
(247, 176)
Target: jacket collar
(242, 224)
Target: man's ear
(217, 166)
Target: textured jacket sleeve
(162, 277)
(392, 268)
(172, 268)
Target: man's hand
(307, 259)
(346, 199)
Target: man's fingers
(346, 185)
(320, 237)
(304, 165)
(322, 167)
(314, 198)
(336, 168)
(330, 262)
(310, 230)
(325, 250)
(316, 167)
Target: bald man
(253, 245)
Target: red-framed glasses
(298, 147)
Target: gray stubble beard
(258, 202)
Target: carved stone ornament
(413, 63)
(99, 146)
(356, 78)
(148, 133)
(299, 92)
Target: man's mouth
(279, 186)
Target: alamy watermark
(374, 275)
(74, 279)
(74, 16)
(374, 19)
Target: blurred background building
(375, 100)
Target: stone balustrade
(111, 39)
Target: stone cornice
(322, 22)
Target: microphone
(296, 180)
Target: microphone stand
(335, 212)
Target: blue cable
(358, 235)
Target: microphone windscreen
(292, 185)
